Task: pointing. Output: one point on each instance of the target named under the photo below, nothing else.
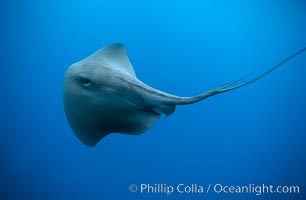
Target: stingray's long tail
(231, 86)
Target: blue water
(254, 135)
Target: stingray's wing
(114, 56)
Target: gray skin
(102, 95)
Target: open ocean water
(254, 136)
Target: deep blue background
(256, 134)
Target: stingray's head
(81, 83)
(82, 76)
(80, 89)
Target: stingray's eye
(86, 82)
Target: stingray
(103, 95)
